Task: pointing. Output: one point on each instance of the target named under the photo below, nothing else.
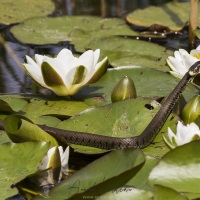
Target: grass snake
(144, 139)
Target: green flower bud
(124, 89)
(191, 111)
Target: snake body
(144, 139)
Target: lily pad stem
(193, 22)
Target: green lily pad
(4, 137)
(148, 83)
(167, 194)
(128, 193)
(10, 104)
(121, 119)
(17, 11)
(97, 178)
(79, 29)
(17, 162)
(61, 108)
(128, 52)
(140, 180)
(179, 169)
(20, 130)
(173, 15)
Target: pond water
(13, 79)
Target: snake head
(194, 69)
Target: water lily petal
(176, 65)
(77, 75)
(87, 60)
(67, 59)
(170, 134)
(100, 69)
(188, 61)
(50, 75)
(176, 74)
(96, 56)
(198, 48)
(35, 72)
(64, 160)
(39, 59)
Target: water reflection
(104, 8)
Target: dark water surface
(13, 79)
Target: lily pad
(128, 52)
(17, 162)
(10, 104)
(140, 180)
(59, 108)
(167, 194)
(98, 178)
(128, 193)
(121, 119)
(148, 83)
(17, 11)
(20, 130)
(179, 169)
(173, 15)
(79, 29)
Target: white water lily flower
(184, 134)
(57, 163)
(66, 74)
(182, 61)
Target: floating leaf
(167, 194)
(4, 137)
(173, 15)
(20, 130)
(121, 119)
(61, 108)
(16, 11)
(128, 193)
(140, 180)
(148, 83)
(98, 178)
(128, 52)
(10, 104)
(179, 169)
(79, 29)
(17, 162)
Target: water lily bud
(124, 89)
(191, 111)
